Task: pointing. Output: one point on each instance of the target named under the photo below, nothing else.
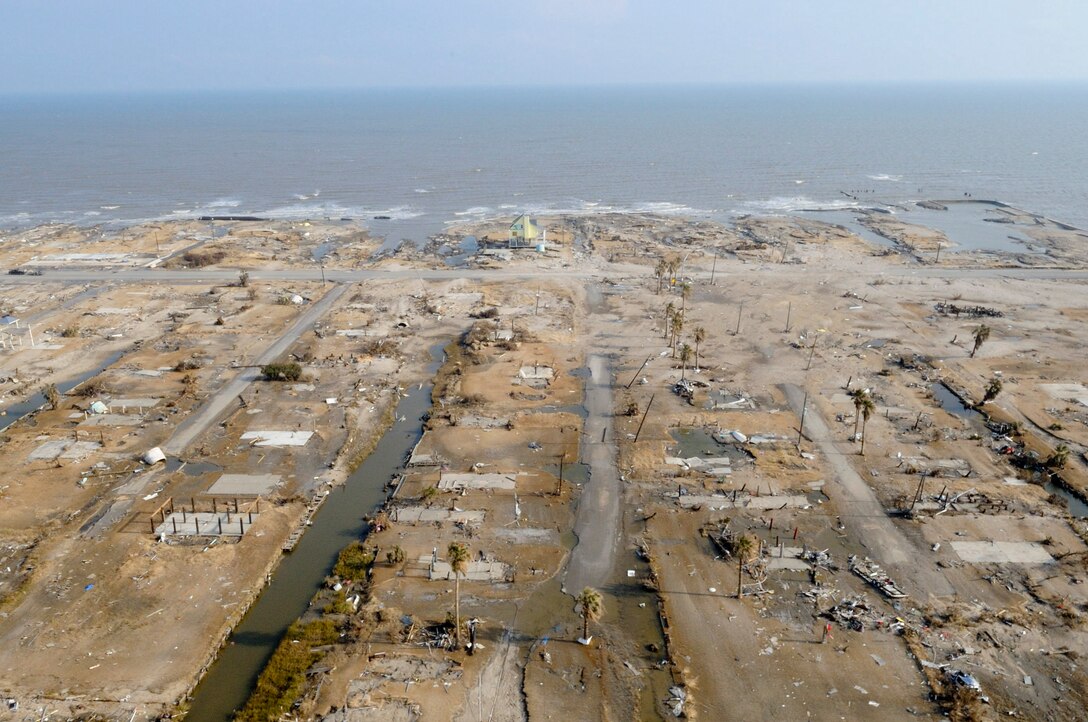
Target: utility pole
(713, 267)
(639, 371)
(801, 426)
(789, 311)
(811, 352)
(740, 310)
(644, 415)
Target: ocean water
(426, 158)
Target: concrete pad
(277, 438)
(788, 558)
(456, 482)
(527, 535)
(982, 552)
(244, 484)
(112, 420)
(205, 523)
(136, 404)
(540, 373)
(63, 449)
(426, 515)
(476, 571)
(744, 501)
(1065, 392)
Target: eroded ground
(963, 508)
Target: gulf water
(426, 158)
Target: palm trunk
(683, 370)
(857, 419)
(696, 354)
(585, 625)
(863, 423)
(457, 608)
(740, 578)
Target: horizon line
(887, 84)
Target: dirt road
(864, 515)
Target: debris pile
(857, 614)
(871, 572)
(951, 309)
(678, 696)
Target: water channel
(300, 574)
(18, 410)
(955, 406)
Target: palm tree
(677, 327)
(1058, 459)
(685, 292)
(867, 409)
(743, 546)
(699, 335)
(859, 396)
(670, 312)
(992, 390)
(685, 356)
(671, 266)
(982, 334)
(457, 556)
(659, 270)
(592, 606)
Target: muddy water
(17, 411)
(300, 574)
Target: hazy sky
(95, 45)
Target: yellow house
(523, 231)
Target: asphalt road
(597, 521)
(204, 275)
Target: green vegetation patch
(284, 677)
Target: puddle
(322, 250)
(700, 442)
(468, 247)
(17, 411)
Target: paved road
(864, 516)
(198, 275)
(597, 521)
(200, 420)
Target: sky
(52, 46)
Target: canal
(300, 574)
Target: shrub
(289, 371)
(196, 259)
(70, 332)
(353, 562)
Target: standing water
(299, 576)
